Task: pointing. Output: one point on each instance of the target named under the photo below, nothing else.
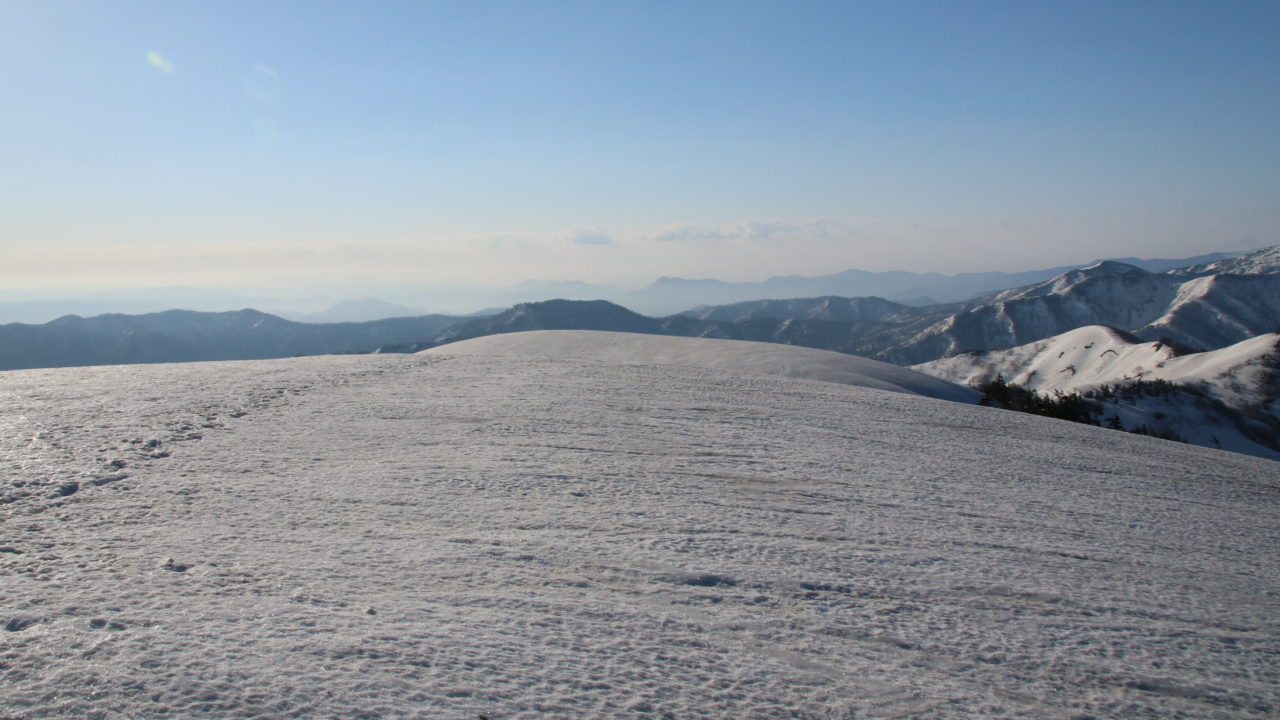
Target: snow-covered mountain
(1218, 310)
(421, 536)
(1227, 398)
(1198, 311)
(1260, 262)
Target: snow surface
(729, 355)
(438, 536)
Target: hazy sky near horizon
(323, 144)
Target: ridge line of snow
(712, 353)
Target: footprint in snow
(18, 624)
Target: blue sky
(331, 144)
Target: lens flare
(159, 62)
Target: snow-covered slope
(1075, 360)
(1244, 377)
(728, 355)
(1091, 356)
(1218, 310)
(433, 536)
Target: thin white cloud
(687, 233)
(591, 237)
(762, 229)
(500, 241)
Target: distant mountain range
(358, 311)
(184, 335)
(669, 294)
(1200, 307)
(815, 331)
(665, 296)
(1197, 308)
